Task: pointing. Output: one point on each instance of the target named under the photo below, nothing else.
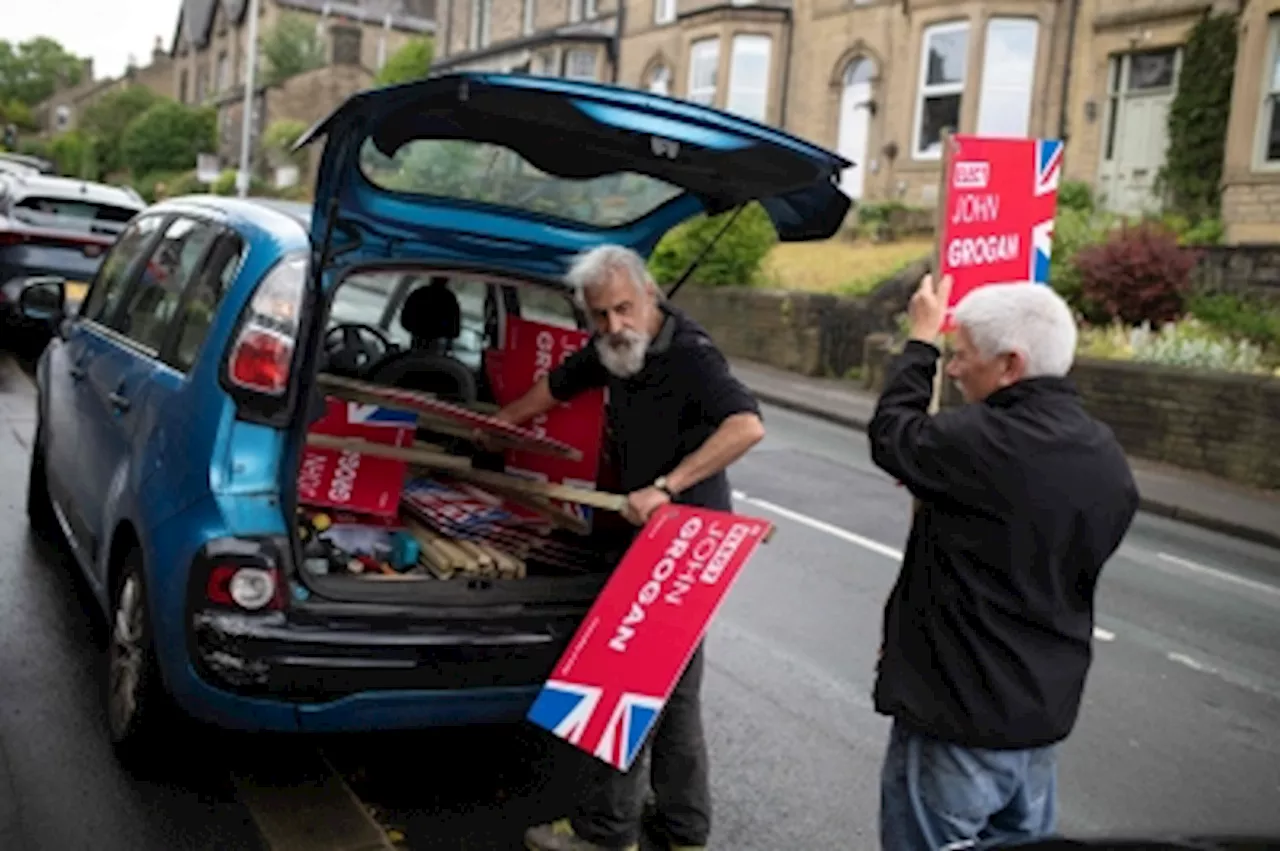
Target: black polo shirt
(666, 411)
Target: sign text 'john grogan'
(689, 559)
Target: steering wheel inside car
(351, 347)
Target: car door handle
(76, 371)
(119, 401)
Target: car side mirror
(44, 300)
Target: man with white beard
(677, 418)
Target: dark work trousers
(609, 810)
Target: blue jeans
(935, 795)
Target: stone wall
(1241, 269)
(1218, 423)
(808, 333)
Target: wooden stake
(939, 228)
(461, 468)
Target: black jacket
(987, 632)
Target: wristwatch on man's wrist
(661, 484)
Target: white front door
(855, 125)
(1136, 134)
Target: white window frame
(696, 52)
(528, 16)
(591, 9)
(924, 91)
(992, 81)
(664, 11)
(651, 78)
(744, 44)
(1269, 98)
(568, 64)
(576, 10)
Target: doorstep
(1191, 497)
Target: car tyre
(40, 514)
(140, 713)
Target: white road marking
(855, 539)
(1223, 575)
(835, 531)
(1184, 659)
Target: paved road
(1181, 730)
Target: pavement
(1199, 499)
(1179, 731)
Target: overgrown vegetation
(1192, 174)
(289, 48)
(735, 259)
(411, 62)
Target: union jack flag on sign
(608, 689)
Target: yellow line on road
(301, 804)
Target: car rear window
(493, 174)
(71, 214)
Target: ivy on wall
(1192, 175)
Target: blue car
(175, 402)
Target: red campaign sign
(530, 351)
(332, 478)
(608, 688)
(1000, 202)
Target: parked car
(26, 164)
(55, 226)
(174, 404)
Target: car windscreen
(71, 214)
(488, 173)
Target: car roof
(69, 188)
(284, 223)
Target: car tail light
(253, 589)
(261, 359)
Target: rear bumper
(262, 673)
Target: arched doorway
(855, 123)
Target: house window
(942, 74)
(749, 76)
(664, 11)
(1269, 116)
(580, 65)
(1008, 70)
(530, 11)
(224, 73)
(592, 8)
(704, 66)
(481, 13)
(575, 10)
(659, 81)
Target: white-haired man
(1023, 498)
(676, 419)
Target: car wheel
(140, 713)
(40, 513)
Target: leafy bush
(1249, 319)
(1140, 274)
(1075, 195)
(174, 184)
(1188, 343)
(1073, 230)
(734, 261)
(73, 154)
(291, 47)
(168, 137)
(411, 62)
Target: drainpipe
(1066, 74)
(786, 68)
(617, 41)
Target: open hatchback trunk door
(521, 173)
